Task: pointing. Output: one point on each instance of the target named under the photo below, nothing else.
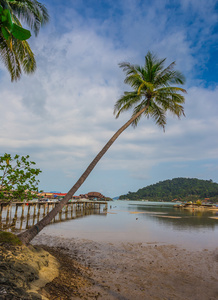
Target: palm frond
(16, 57)
(176, 108)
(31, 12)
(171, 89)
(126, 102)
(152, 84)
(9, 59)
(169, 76)
(158, 114)
(26, 56)
(137, 109)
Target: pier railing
(18, 216)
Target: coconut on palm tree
(15, 51)
(153, 95)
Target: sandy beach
(130, 271)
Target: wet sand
(130, 271)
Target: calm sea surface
(150, 222)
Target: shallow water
(146, 222)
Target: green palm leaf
(153, 89)
(15, 52)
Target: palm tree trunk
(29, 234)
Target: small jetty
(17, 216)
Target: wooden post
(71, 210)
(38, 215)
(34, 213)
(48, 208)
(1, 212)
(27, 220)
(8, 214)
(15, 214)
(22, 214)
(66, 211)
(44, 210)
(60, 215)
(28, 212)
(15, 217)
(54, 220)
(52, 206)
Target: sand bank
(130, 271)
(24, 271)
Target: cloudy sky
(63, 114)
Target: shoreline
(130, 271)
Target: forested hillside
(184, 189)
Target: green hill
(184, 189)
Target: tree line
(184, 189)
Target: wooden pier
(18, 216)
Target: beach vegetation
(198, 202)
(18, 178)
(9, 238)
(155, 92)
(15, 52)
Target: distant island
(177, 189)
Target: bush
(9, 238)
(17, 178)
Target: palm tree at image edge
(16, 54)
(152, 96)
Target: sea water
(145, 222)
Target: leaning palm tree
(152, 96)
(15, 52)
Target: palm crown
(17, 54)
(152, 90)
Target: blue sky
(63, 114)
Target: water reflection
(17, 217)
(135, 222)
(179, 218)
